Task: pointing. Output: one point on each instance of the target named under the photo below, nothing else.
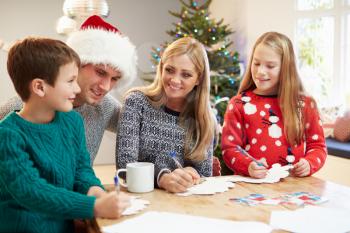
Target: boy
(45, 176)
(108, 60)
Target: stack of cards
(297, 198)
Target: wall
(251, 18)
(140, 20)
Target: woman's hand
(179, 180)
(193, 172)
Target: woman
(169, 122)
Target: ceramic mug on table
(139, 177)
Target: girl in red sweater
(272, 118)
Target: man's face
(95, 82)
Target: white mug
(139, 177)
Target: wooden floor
(336, 170)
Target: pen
(116, 184)
(249, 156)
(173, 155)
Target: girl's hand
(177, 181)
(301, 168)
(257, 171)
(111, 205)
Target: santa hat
(98, 42)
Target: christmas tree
(195, 21)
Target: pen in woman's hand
(173, 155)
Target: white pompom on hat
(98, 42)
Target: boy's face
(95, 82)
(60, 97)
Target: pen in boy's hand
(245, 153)
(116, 184)
(173, 155)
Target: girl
(272, 118)
(170, 122)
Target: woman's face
(179, 77)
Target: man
(108, 59)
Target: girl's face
(179, 77)
(265, 69)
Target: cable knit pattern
(148, 134)
(44, 174)
(97, 119)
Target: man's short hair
(35, 57)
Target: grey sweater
(149, 134)
(97, 119)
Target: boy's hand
(111, 205)
(257, 171)
(96, 191)
(301, 168)
(178, 181)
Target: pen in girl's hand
(116, 184)
(245, 153)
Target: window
(323, 49)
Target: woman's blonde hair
(290, 90)
(197, 117)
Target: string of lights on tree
(194, 20)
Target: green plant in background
(311, 55)
(195, 21)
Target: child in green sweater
(46, 179)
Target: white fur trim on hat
(98, 46)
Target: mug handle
(122, 183)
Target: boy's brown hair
(34, 58)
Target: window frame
(339, 12)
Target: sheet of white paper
(209, 186)
(136, 206)
(160, 222)
(312, 219)
(274, 175)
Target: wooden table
(219, 206)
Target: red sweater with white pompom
(255, 123)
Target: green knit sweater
(45, 174)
